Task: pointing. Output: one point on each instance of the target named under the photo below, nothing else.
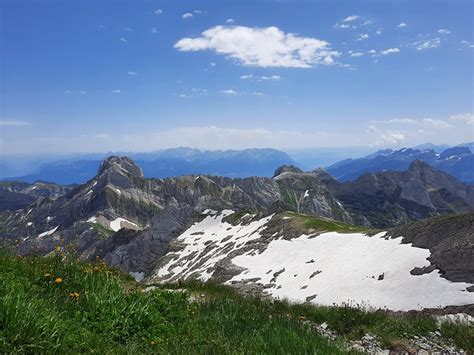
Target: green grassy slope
(54, 305)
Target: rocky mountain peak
(419, 167)
(120, 165)
(287, 169)
(322, 174)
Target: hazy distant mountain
(168, 163)
(457, 161)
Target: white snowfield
(345, 268)
(207, 243)
(330, 268)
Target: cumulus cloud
(464, 117)
(13, 123)
(436, 123)
(443, 31)
(384, 137)
(351, 18)
(262, 47)
(390, 51)
(123, 39)
(132, 73)
(427, 44)
(356, 54)
(154, 30)
(229, 92)
(362, 36)
(187, 15)
(158, 12)
(230, 20)
(116, 91)
(401, 25)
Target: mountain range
(207, 227)
(457, 161)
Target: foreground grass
(351, 323)
(50, 305)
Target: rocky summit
(145, 226)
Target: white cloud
(467, 44)
(403, 24)
(213, 64)
(260, 78)
(13, 123)
(154, 30)
(384, 137)
(429, 122)
(132, 73)
(362, 36)
(123, 39)
(116, 91)
(83, 92)
(158, 12)
(356, 54)
(372, 52)
(343, 26)
(187, 15)
(390, 51)
(351, 18)
(443, 31)
(378, 32)
(467, 118)
(229, 92)
(427, 44)
(262, 47)
(230, 20)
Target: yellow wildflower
(58, 280)
(74, 295)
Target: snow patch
(92, 219)
(51, 231)
(208, 242)
(351, 268)
(116, 224)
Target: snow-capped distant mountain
(457, 161)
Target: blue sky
(91, 76)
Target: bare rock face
(393, 198)
(450, 240)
